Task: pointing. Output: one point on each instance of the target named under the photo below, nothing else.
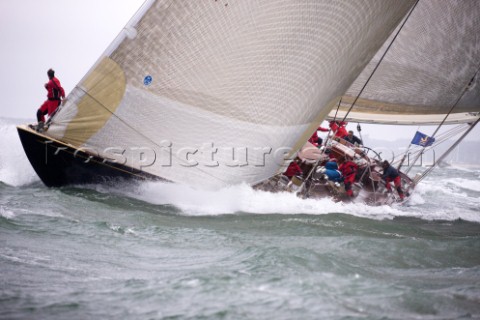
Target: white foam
(435, 198)
(15, 169)
(438, 188)
(473, 185)
(464, 168)
(244, 199)
(6, 213)
(416, 199)
(423, 204)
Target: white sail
(189, 82)
(431, 64)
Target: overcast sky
(69, 36)
(66, 35)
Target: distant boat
(215, 93)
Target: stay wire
(467, 86)
(334, 119)
(314, 166)
(458, 100)
(452, 147)
(381, 59)
(443, 137)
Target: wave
(8, 214)
(15, 169)
(465, 167)
(447, 194)
(429, 202)
(242, 199)
(473, 185)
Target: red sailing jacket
(54, 84)
(314, 138)
(339, 129)
(349, 170)
(293, 169)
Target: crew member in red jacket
(315, 139)
(338, 128)
(349, 170)
(55, 94)
(293, 169)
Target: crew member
(338, 128)
(349, 171)
(331, 170)
(293, 170)
(315, 139)
(353, 139)
(391, 174)
(55, 94)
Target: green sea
(164, 251)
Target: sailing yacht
(215, 93)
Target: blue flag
(422, 139)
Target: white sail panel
(203, 78)
(433, 63)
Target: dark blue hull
(58, 164)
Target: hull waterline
(59, 164)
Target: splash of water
(452, 195)
(15, 169)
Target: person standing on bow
(349, 170)
(391, 174)
(55, 94)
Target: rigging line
(368, 170)
(334, 119)
(138, 132)
(359, 129)
(437, 143)
(314, 166)
(405, 154)
(449, 133)
(446, 116)
(373, 183)
(458, 100)
(440, 139)
(444, 138)
(338, 106)
(419, 149)
(446, 153)
(381, 59)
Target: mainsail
(432, 64)
(217, 92)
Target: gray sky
(66, 35)
(69, 36)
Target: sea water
(163, 251)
